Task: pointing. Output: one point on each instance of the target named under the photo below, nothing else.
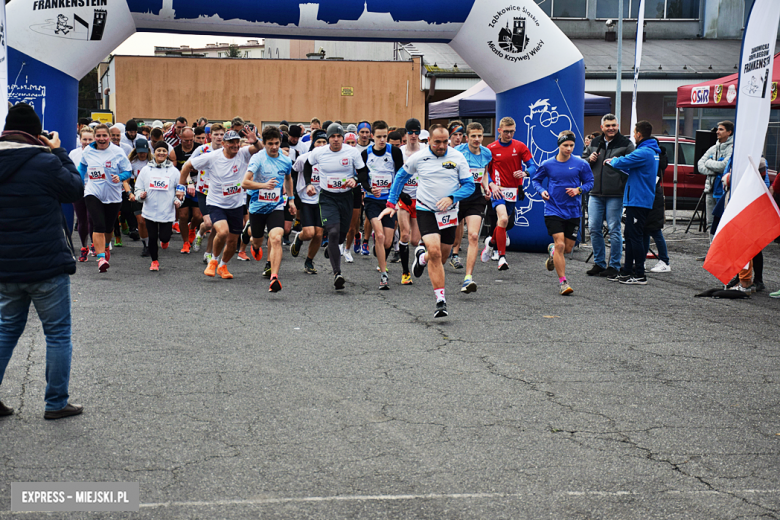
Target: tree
(233, 51)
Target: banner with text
(640, 30)
(3, 67)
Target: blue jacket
(34, 181)
(641, 166)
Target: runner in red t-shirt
(506, 168)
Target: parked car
(690, 183)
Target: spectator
(713, 165)
(656, 220)
(37, 257)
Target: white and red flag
(750, 221)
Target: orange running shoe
(176, 227)
(191, 237)
(276, 285)
(242, 256)
(257, 254)
(164, 245)
(155, 266)
(224, 273)
(211, 269)
(185, 250)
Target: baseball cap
(424, 135)
(334, 129)
(231, 135)
(413, 125)
(141, 145)
(157, 124)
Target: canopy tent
(480, 101)
(721, 92)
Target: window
(654, 9)
(564, 8)
(486, 122)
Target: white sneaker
(342, 249)
(661, 267)
(348, 257)
(485, 256)
(494, 257)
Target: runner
(353, 235)
(139, 158)
(202, 189)
(173, 136)
(190, 217)
(340, 168)
(444, 180)
(156, 186)
(266, 173)
(131, 133)
(455, 129)
(507, 166)
(383, 162)
(472, 208)
(407, 206)
(116, 138)
(364, 140)
(309, 210)
(86, 136)
(225, 199)
(103, 167)
(568, 176)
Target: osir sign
(700, 95)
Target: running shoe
(276, 285)
(125, 228)
(338, 281)
(224, 273)
(566, 288)
(746, 290)
(455, 262)
(176, 227)
(135, 235)
(395, 257)
(326, 253)
(295, 248)
(185, 250)
(364, 249)
(616, 276)
(84, 254)
(324, 243)
(308, 267)
(406, 279)
(661, 267)
(196, 243)
(469, 286)
(108, 254)
(211, 269)
(495, 256)
(243, 256)
(257, 254)
(207, 257)
(634, 280)
(549, 264)
(191, 236)
(417, 268)
(734, 281)
(485, 256)
(297, 226)
(383, 282)
(92, 250)
(267, 270)
(145, 251)
(155, 266)
(286, 240)
(342, 249)
(348, 257)
(356, 245)
(441, 310)
(118, 241)
(103, 265)
(760, 287)
(502, 264)
(164, 245)
(775, 294)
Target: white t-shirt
(203, 176)
(125, 148)
(160, 187)
(300, 186)
(225, 176)
(75, 155)
(138, 165)
(439, 177)
(410, 187)
(336, 167)
(100, 166)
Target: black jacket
(607, 181)
(34, 182)
(656, 217)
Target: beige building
(146, 87)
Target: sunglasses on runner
(416, 132)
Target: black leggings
(103, 214)
(335, 237)
(758, 267)
(161, 230)
(85, 223)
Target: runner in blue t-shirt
(267, 172)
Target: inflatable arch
(536, 71)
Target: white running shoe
(494, 257)
(661, 267)
(485, 256)
(348, 257)
(342, 249)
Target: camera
(46, 134)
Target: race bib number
(269, 195)
(315, 175)
(510, 194)
(159, 184)
(231, 190)
(477, 173)
(336, 183)
(447, 219)
(412, 181)
(96, 173)
(381, 181)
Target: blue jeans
(660, 243)
(52, 302)
(611, 209)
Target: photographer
(36, 259)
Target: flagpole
(618, 86)
(3, 67)
(640, 22)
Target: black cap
(284, 122)
(326, 124)
(131, 126)
(285, 143)
(412, 125)
(294, 131)
(22, 118)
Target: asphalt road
(225, 401)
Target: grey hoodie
(714, 160)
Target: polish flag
(750, 222)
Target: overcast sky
(143, 43)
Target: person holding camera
(37, 257)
